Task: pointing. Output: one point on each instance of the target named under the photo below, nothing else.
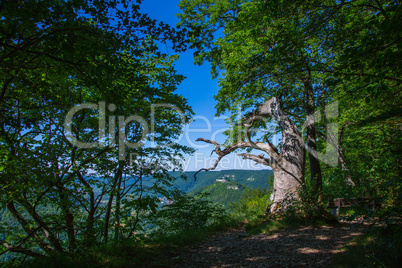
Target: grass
(265, 226)
(151, 253)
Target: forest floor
(289, 247)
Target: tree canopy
(89, 121)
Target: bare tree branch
(260, 159)
(19, 249)
(270, 108)
(221, 153)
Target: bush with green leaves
(379, 247)
(187, 213)
(252, 203)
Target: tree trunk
(40, 222)
(117, 177)
(315, 168)
(68, 218)
(285, 187)
(117, 211)
(89, 233)
(337, 144)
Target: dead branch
(260, 159)
(221, 153)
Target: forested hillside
(222, 187)
(223, 192)
(249, 178)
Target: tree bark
(337, 145)
(117, 177)
(39, 220)
(285, 187)
(117, 211)
(68, 217)
(19, 249)
(89, 234)
(315, 168)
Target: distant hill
(223, 192)
(249, 178)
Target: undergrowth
(185, 222)
(378, 247)
(192, 219)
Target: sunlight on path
(312, 247)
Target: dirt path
(311, 247)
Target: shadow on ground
(308, 246)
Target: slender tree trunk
(117, 211)
(19, 249)
(68, 218)
(337, 144)
(345, 167)
(110, 203)
(89, 233)
(315, 168)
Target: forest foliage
(335, 65)
(56, 55)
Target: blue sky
(198, 88)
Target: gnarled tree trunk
(287, 164)
(285, 184)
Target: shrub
(187, 213)
(252, 204)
